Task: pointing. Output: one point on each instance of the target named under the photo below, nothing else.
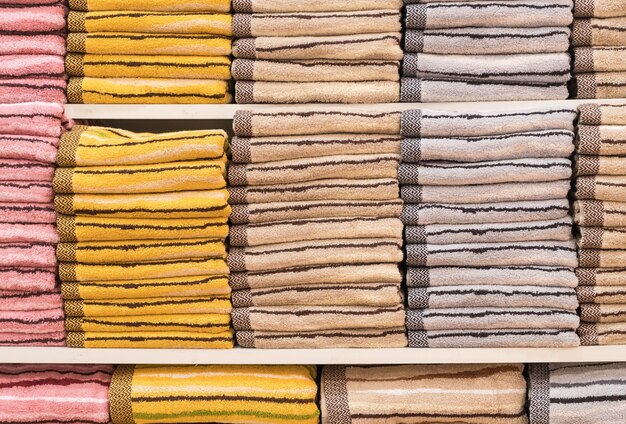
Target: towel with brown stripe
(599, 59)
(282, 6)
(602, 294)
(594, 213)
(590, 165)
(600, 85)
(610, 188)
(601, 276)
(602, 258)
(603, 312)
(602, 238)
(343, 338)
(599, 8)
(604, 115)
(494, 338)
(593, 334)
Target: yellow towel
(158, 5)
(87, 228)
(150, 306)
(194, 323)
(150, 22)
(140, 66)
(184, 204)
(161, 178)
(146, 91)
(151, 340)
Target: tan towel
(357, 338)
(602, 165)
(494, 338)
(599, 32)
(316, 252)
(310, 169)
(599, 8)
(604, 140)
(602, 238)
(604, 313)
(599, 59)
(281, 6)
(600, 85)
(598, 258)
(600, 214)
(602, 114)
(602, 294)
(592, 334)
(601, 187)
(601, 276)
(315, 229)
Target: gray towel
(494, 338)
(344, 338)
(601, 276)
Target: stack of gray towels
(489, 249)
(488, 50)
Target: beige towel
(598, 258)
(599, 8)
(599, 32)
(602, 294)
(601, 276)
(602, 165)
(357, 338)
(605, 115)
(592, 334)
(601, 187)
(594, 312)
(604, 140)
(595, 213)
(600, 85)
(602, 238)
(599, 59)
(494, 339)
(281, 6)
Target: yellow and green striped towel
(151, 340)
(194, 323)
(151, 306)
(156, 5)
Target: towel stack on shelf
(138, 51)
(142, 228)
(316, 237)
(472, 50)
(600, 210)
(489, 248)
(32, 46)
(599, 44)
(31, 310)
(323, 51)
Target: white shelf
(214, 112)
(61, 355)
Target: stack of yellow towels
(142, 224)
(139, 51)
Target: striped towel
(601, 276)
(600, 258)
(37, 119)
(152, 5)
(594, 334)
(343, 338)
(19, 232)
(493, 338)
(150, 340)
(192, 323)
(218, 393)
(32, 66)
(604, 140)
(23, 90)
(602, 295)
(26, 192)
(600, 85)
(601, 312)
(28, 18)
(599, 59)
(25, 170)
(599, 8)
(148, 306)
(270, 6)
(601, 187)
(602, 238)
(27, 279)
(27, 212)
(601, 114)
(43, 323)
(599, 32)
(598, 165)
(29, 147)
(33, 44)
(600, 213)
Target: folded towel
(29, 339)
(25, 192)
(311, 169)
(27, 212)
(218, 393)
(94, 228)
(599, 214)
(485, 318)
(143, 66)
(485, 193)
(319, 274)
(545, 67)
(602, 294)
(597, 258)
(24, 301)
(149, 22)
(271, 212)
(280, 6)
(316, 70)
(600, 85)
(414, 90)
(31, 119)
(32, 148)
(594, 312)
(601, 276)
(32, 322)
(26, 232)
(599, 32)
(431, 213)
(184, 204)
(486, 394)
(151, 340)
(602, 165)
(515, 14)
(602, 238)
(25, 170)
(473, 40)
(53, 44)
(599, 59)
(317, 92)
(32, 19)
(28, 279)
(315, 318)
(605, 140)
(314, 252)
(491, 338)
(608, 116)
(593, 334)
(29, 254)
(347, 47)
(546, 276)
(32, 66)
(150, 306)
(601, 187)
(122, 43)
(560, 229)
(153, 5)
(599, 8)
(22, 90)
(346, 338)
(192, 323)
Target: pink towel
(32, 66)
(27, 254)
(26, 232)
(35, 118)
(35, 322)
(26, 339)
(25, 192)
(24, 170)
(27, 212)
(24, 279)
(21, 90)
(25, 19)
(20, 301)
(28, 147)
(32, 44)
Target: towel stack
(322, 51)
(316, 237)
(468, 50)
(489, 247)
(599, 40)
(31, 310)
(32, 46)
(142, 229)
(138, 51)
(600, 209)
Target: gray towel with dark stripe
(494, 338)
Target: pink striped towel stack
(32, 50)
(31, 310)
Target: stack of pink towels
(32, 50)
(31, 310)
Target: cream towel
(599, 59)
(604, 140)
(602, 334)
(602, 238)
(597, 258)
(601, 276)
(599, 32)
(600, 85)
(595, 213)
(602, 114)
(494, 338)
(594, 312)
(599, 8)
(281, 6)
(602, 295)
(602, 165)
(601, 187)
(344, 338)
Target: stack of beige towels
(316, 237)
(323, 51)
(600, 214)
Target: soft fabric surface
(592, 334)
(599, 59)
(489, 338)
(600, 85)
(605, 140)
(32, 66)
(27, 212)
(147, 306)
(151, 340)
(599, 165)
(28, 279)
(25, 192)
(345, 338)
(25, 170)
(27, 254)
(23, 90)
(19, 232)
(37, 119)
(602, 295)
(599, 32)
(599, 213)
(605, 115)
(56, 339)
(602, 238)
(35, 44)
(280, 6)
(599, 8)
(601, 276)
(600, 312)
(28, 147)
(610, 188)
(152, 5)
(32, 322)
(32, 18)
(597, 258)
(193, 323)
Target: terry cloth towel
(152, 5)
(218, 393)
(194, 286)
(151, 340)
(560, 229)
(432, 213)
(602, 295)
(601, 276)
(27, 147)
(24, 232)
(193, 323)
(94, 228)
(494, 338)
(32, 66)
(100, 146)
(28, 301)
(312, 229)
(493, 275)
(32, 322)
(545, 67)
(599, 32)
(315, 252)
(596, 258)
(27, 279)
(151, 306)
(346, 338)
(602, 238)
(584, 393)
(25, 19)
(472, 40)
(600, 85)
(316, 70)
(28, 254)
(592, 334)
(601, 187)
(26, 192)
(184, 204)
(311, 169)
(148, 22)
(143, 66)
(281, 6)
(36, 119)
(593, 312)
(599, 8)
(33, 44)
(271, 212)
(594, 213)
(383, 46)
(604, 140)
(22, 90)
(515, 14)
(320, 274)
(485, 193)
(482, 318)
(29, 339)
(472, 394)
(315, 318)
(599, 165)
(599, 59)
(27, 212)
(55, 393)
(146, 90)
(25, 170)
(605, 115)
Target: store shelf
(62, 355)
(214, 112)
